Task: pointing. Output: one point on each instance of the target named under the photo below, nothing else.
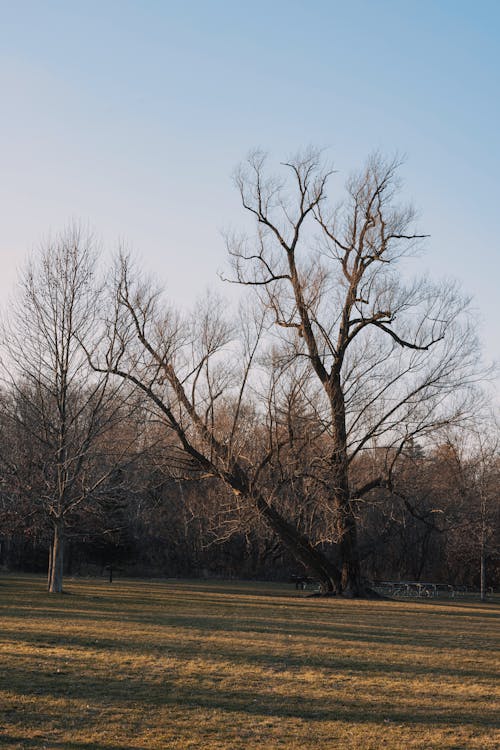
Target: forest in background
(148, 522)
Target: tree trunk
(56, 559)
(351, 569)
(351, 584)
(49, 570)
(483, 573)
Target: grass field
(217, 665)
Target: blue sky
(132, 115)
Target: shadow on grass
(337, 634)
(331, 656)
(128, 693)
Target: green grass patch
(138, 665)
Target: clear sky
(132, 115)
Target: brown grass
(214, 666)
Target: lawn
(176, 664)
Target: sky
(130, 116)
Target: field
(185, 665)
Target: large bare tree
(393, 357)
(372, 360)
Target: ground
(136, 665)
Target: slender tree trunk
(49, 571)
(57, 560)
(483, 572)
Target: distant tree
(468, 476)
(485, 482)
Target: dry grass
(210, 666)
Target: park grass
(213, 666)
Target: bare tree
(59, 408)
(393, 359)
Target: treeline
(334, 424)
(146, 521)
